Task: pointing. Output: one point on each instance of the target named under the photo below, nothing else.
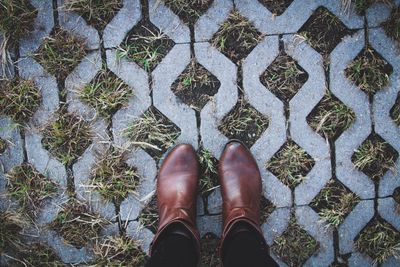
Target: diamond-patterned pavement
(311, 87)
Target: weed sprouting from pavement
(208, 169)
(149, 215)
(266, 208)
(19, 99)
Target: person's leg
(176, 242)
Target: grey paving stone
(377, 13)
(127, 17)
(388, 209)
(209, 224)
(214, 202)
(276, 224)
(136, 231)
(357, 100)
(43, 25)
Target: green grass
(113, 178)
(119, 251)
(379, 240)
(3, 146)
(106, 93)
(97, 13)
(284, 77)
(188, 10)
(369, 71)
(243, 122)
(295, 245)
(67, 137)
(392, 25)
(236, 37)
(208, 172)
(60, 53)
(334, 203)
(76, 224)
(30, 187)
(290, 164)
(146, 45)
(19, 99)
(149, 215)
(11, 223)
(375, 157)
(331, 117)
(153, 132)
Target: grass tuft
(39, 255)
(97, 13)
(209, 173)
(277, 7)
(67, 138)
(60, 53)
(290, 164)
(149, 215)
(375, 157)
(379, 240)
(188, 11)
(106, 93)
(30, 187)
(392, 25)
(195, 86)
(153, 132)
(395, 111)
(267, 207)
(295, 245)
(19, 99)
(369, 71)
(236, 37)
(284, 77)
(113, 177)
(11, 224)
(119, 251)
(146, 45)
(331, 117)
(334, 203)
(76, 224)
(243, 122)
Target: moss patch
(334, 202)
(236, 37)
(153, 132)
(146, 45)
(195, 86)
(395, 111)
(30, 187)
(379, 240)
(76, 224)
(106, 93)
(330, 118)
(19, 99)
(208, 172)
(67, 138)
(295, 245)
(243, 122)
(113, 177)
(276, 7)
(189, 11)
(149, 215)
(284, 77)
(369, 71)
(209, 251)
(375, 157)
(97, 13)
(290, 164)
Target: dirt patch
(334, 202)
(236, 37)
(149, 215)
(30, 187)
(76, 224)
(295, 245)
(60, 53)
(375, 157)
(276, 7)
(146, 45)
(188, 11)
(98, 13)
(153, 132)
(379, 240)
(244, 122)
(208, 172)
(106, 93)
(392, 25)
(195, 86)
(330, 118)
(266, 208)
(324, 31)
(284, 77)
(369, 71)
(113, 177)
(67, 138)
(209, 251)
(119, 251)
(290, 164)
(19, 99)
(396, 197)
(395, 111)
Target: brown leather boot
(241, 188)
(176, 193)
